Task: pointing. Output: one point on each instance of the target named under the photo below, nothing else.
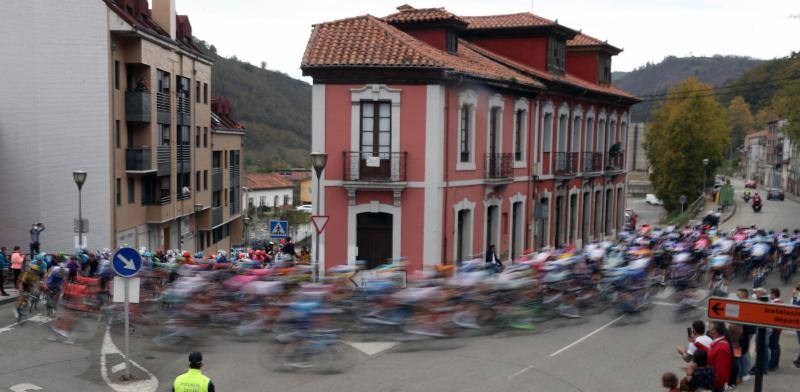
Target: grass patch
(677, 218)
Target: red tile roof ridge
(349, 18)
(413, 15)
(475, 18)
(266, 181)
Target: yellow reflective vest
(191, 381)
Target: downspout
(113, 157)
(531, 166)
(444, 185)
(194, 157)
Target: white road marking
(520, 372)
(666, 293)
(24, 387)
(109, 348)
(673, 304)
(118, 367)
(587, 336)
(372, 348)
(38, 318)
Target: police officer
(193, 380)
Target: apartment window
(547, 133)
(275, 201)
(197, 91)
(601, 136)
(216, 159)
(576, 134)
(562, 133)
(117, 191)
(588, 144)
(205, 180)
(163, 134)
(117, 134)
(197, 137)
(465, 133)
(184, 91)
(205, 92)
(216, 199)
(494, 129)
(116, 74)
(556, 50)
(164, 192)
(163, 82)
(376, 128)
(129, 133)
(205, 137)
(131, 190)
(519, 134)
(197, 179)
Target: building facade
(268, 190)
(124, 95)
(447, 135)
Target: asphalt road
(647, 214)
(599, 353)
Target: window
(451, 41)
(547, 133)
(117, 134)
(131, 190)
(197, 137)
(465, 133)
(197, 179)
(376, 128)
(184, 185)
(182, 84)
(205, 137)
(623, 133)
(205, 92)
(183, 135)
(576, 134)
(286, 200)
(118, 191)
(225, 158)
(275, 201)
(205, 180)
(164, 192)
(588, 144)
(519, 134)
(163, 82)
(262, 201)
(494, 128)
(601, 136)
(116, 74)
(562, 133)
(163, 134)
(216, 199)
(197, 91)
(604, 70)
(556, 50)
(216, 158)
(129, 128)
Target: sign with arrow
(762, 314)
(126, 262)
(320, 221)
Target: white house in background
(268, 190)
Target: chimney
(164, 15)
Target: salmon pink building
(446, 134)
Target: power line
(693, 94)
(733, 86)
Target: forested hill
(275, 108)
(658, 78)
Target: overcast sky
(276, 31)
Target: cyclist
(27, 284)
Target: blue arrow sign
(126, 262)
(278, 229)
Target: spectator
(745, 339)
(17, 263)
(288, 248)
(4, 264)
(697, 341)
(720, 357)
(699, 375)
(774, 339)
(36, 229)
(670, 382)
(796, 302)
(735, 332)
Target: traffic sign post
(320, 221)
(760, 314)
(126, 263)
(278, 229)
(682, 200)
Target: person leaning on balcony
(141, 86)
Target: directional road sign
(126, 262)
(319, 221)
(278, 229)
(763, 314)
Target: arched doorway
(374, 238)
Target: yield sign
(319, 221)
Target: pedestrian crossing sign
(278, 229)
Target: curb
(733, 211)
(8, 300)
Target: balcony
(164, 160)
(592, 162)
(566, 164)
(184, 158)
(184, 111)
(137, 106)
(139, 160)
(216, 216)
(216, 179)
(163, 106)
(615, 162)
(385, 167)
(499, 167)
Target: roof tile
(257, 181)
(523, 19)
(408, 14)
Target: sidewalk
(11, 298)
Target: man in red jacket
(720, 356)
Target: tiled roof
(221, 114)
(523, 19)
(366, 41)
(257, 181)
(409, 14)
(296, 175)
(142, 19)
(587, 40)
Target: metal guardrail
(138, 159)
(592, 162)
(164, 160)
(615, 162)
(162, 102)
(499, 166)
(566, 163)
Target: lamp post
(318, 161)
(80, 178)
(705, 168)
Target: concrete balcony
(216, 216)
(139, 160)
(137, 106)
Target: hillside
(275, 108)
(658, 78)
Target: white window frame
(577, 114)
(520, 105)
(563, 112)
(469, 98)
(547, 147)
(464, 205)
(496, 101)
(588, 131)
(372, 92)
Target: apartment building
(120, 90)
(447, 135)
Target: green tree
(765, 115)
(786, 104)
(739, 120)
(685, 131)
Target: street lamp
(318, 161)
(705, 168)
(80, 178)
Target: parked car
(775, 194)
(750, 184)
(304, 208)
(653, 200)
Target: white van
(653, 200)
